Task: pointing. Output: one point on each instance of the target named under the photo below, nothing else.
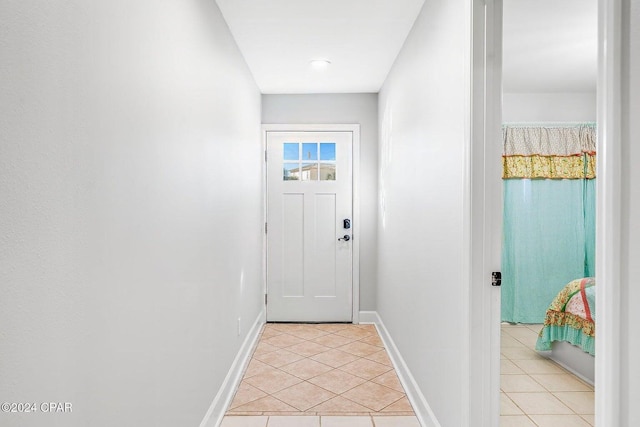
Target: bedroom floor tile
(536, 366)
(520, 353)
(516, 421)
(582, 402)
(507, 407)
(536, 327)
(507, 341)
(539, 403)
(591, 419)
(519, 383)
(559, 420)
(561, 382)
(536, 392)
(507, 367)
(507, 325)
(524, 335)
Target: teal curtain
(590, 227)
(548, 241)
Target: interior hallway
(131, 194)
(323, 373)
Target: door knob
(346, 238)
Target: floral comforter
(571, 317)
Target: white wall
(549, 107)
(423, 106)
(130, 188)
(360, 108)
(630, 245)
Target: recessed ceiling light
(320, 64)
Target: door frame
(355, 159)
(608, 221)
(608, 208)
(483, 214)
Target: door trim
(482, 214)
(608, 208)
(355, 158)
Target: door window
(309, 161)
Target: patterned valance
(549, 152)
(557, 167)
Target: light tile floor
(312, 375)
(335, 375)
(535, 391)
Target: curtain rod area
(548, 124)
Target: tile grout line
(528, 416)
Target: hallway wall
(130, 188)
(344, 108)
(549, 107)
(422, 110)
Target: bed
(569, 328)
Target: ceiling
(361, 38)
(549, 45)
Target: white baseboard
(574, 360)
(420, 405)
(218, 407)
(369, 317)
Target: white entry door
(309, 239)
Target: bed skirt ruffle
(566, 333)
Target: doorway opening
(540, 110)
